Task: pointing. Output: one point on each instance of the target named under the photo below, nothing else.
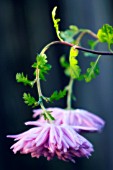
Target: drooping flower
(51, 140)
(82, 119)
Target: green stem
(69, 95)
(41, 96)
(95, 65)
(38, 83)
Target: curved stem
(83, 32)
(76, 47)
(80, 37)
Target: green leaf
(91, 72)
(56, 21)
(29, 100)
(93, 43)
(20, 78)
(41, 60)
(63, 62)
(41, 63)
(66, 65)
(69, 34)
(47, 115)
(105, 34)
(74, 67)
(87, 54)
(57, 95)
(44, 71)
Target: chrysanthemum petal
(51, 140)
(84, 120)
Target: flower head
(51, 140)
(81, 119)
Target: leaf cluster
(74, 70)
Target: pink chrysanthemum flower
(82, 119)
(51, 140)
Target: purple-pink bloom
(82, 119)
(51, 140)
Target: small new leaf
(20, 78)
(105, 34)
(74, 67)
(56, 21)
(57, 95)
(29, 100)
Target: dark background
(25, 28)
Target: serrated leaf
(47, 116)
(20, 78)
(92, 72)
(57, 95)
(41, 63)
(56, 21)
(41, 60)
(105, 34)
(68, 35)
(74, 67)
(44, 71)
(29, 100)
